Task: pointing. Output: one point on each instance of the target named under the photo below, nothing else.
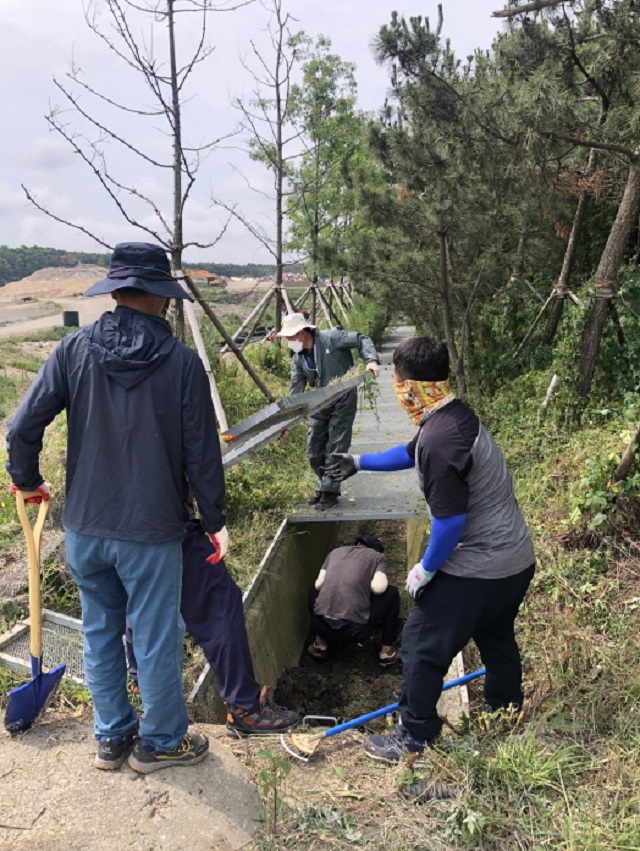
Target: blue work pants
(142, 582)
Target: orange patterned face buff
(420, 398)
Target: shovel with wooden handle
(27, 702)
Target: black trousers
(383, 615)
(214, 616)
(451, 612)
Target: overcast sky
(41, 39)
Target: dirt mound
(55, 282)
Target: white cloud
(40, 39)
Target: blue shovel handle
(362, 719)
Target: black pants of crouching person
(383, 615)
(452, 611)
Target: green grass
(56, 332)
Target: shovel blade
(27, 702)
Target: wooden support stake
(189, 312)
(287, 300)
(227, 338)
(346, 289)
(299, 304)
(534, 324)
(331, 318)
(550, 391)
(263, 301)
(339, 301)
(252, 331)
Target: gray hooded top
(139, 416)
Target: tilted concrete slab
(286, 408)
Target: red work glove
(43, 493)
(220, 541)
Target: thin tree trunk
(177, 240)
(279, 173)
(562, 285)
(447, 317)
(605, 284)
(627, 459)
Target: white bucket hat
(292, 324)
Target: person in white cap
(318, 358)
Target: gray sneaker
(192, 750)
(393, 747)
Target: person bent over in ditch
(352, 599)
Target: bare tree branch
(44, 210)
(106, 131)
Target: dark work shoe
(394, 746)
(270, 718)
(113, 751)
(315, 499)
(326, 501)
(191, 750)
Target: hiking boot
(326, 501)
(315, 499)
(191, 750)
(393, 747)
(270, 718)
(113, 750)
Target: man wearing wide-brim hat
(140, 418)
(318, 358)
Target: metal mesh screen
(59, 644)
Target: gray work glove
(344, 466)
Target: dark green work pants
(330, 431)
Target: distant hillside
(19, 263)
(248, 270)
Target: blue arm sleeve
(396, 458)
(445, 534)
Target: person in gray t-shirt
(477, 567)
(352, 599)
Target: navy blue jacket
(139, 417)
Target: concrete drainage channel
(275, 607)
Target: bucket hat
(140, 265)
(292, 324)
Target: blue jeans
(142, 582)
